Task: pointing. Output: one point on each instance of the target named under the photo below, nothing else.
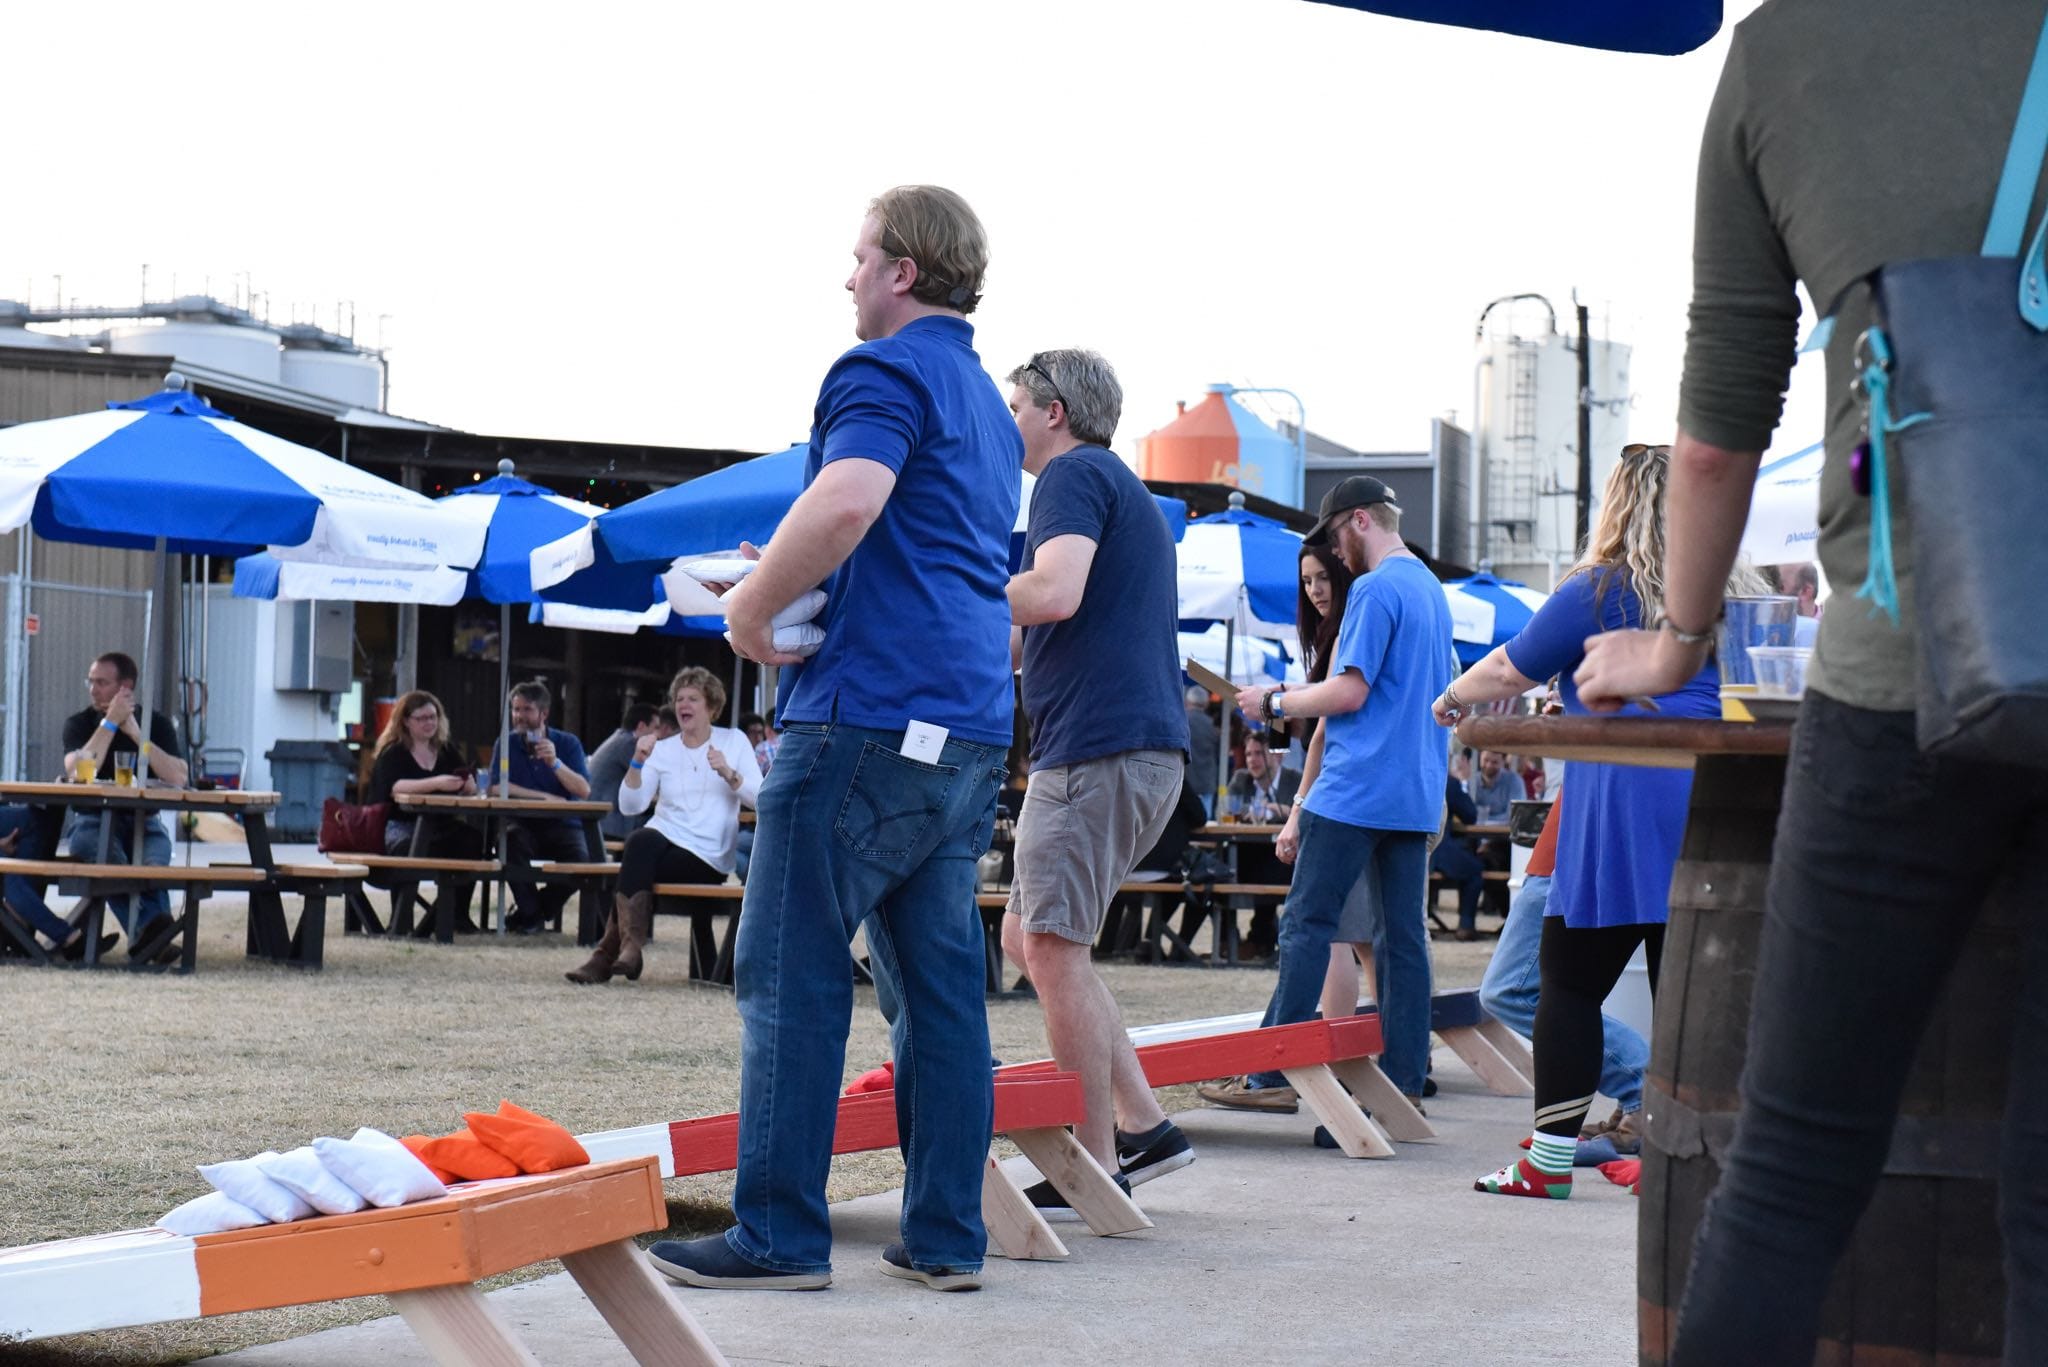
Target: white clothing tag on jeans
(923, 742)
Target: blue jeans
(22, 897)
(156, 849)
(852, 835)
(1333, 856)
(1881, 867)
(1508, 992)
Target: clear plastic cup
(1780, 670)
(1746, 623)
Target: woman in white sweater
(695, 782)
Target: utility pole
(1582, 516)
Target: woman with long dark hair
(1618, 844)
(415, 755)
(1325, 584)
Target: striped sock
(1546, 1172)
(1553, 1153)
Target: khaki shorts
(1083, 829)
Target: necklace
(696, 773)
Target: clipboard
(1224, 688)
(1210, 679)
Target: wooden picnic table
(495, 811)
(269, 935)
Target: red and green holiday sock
(1547, 1171)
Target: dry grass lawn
(117, 1085)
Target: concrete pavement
(1267, 1249)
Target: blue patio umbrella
(608, 563)
(1666, 27)
(1241, 568)
(1487, 612)
(169, 472)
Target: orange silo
(1219, 442)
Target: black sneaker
(896, 1263)
(711, 1262)
(1047, 1200)
(1155, 1153)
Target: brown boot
(637, 912)
(599, 966)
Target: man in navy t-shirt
(543, 764)
(883, 793)
(1378, 795)
(1096, 615)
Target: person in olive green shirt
(1845, 134)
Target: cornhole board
(1032, 1112)
(426, 1257)
(1315, 1056)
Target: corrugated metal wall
(75, 625)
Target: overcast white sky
(633, 222)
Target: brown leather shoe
(598, 967)
(1235, 1095)
(637, 912)
(1607, 1126)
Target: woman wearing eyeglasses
(1619, 842)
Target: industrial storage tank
(251, 352)
(39, 341)
(351, 377)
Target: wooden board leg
(1071, 1169)
(1393, 1112)
(648, 1318)
(460, 1329)
(1512, 1046)
(1014, 1225)
(1499, 1075)
(1351, 1127)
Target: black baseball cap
(1356, 491)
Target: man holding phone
(547, 764)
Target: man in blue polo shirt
(884, 789)
(1378, 796)
(544, 764)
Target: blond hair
(705, 682)
(935, 228)
(1627, 542)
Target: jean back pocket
(891, 802)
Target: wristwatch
(1705, 636)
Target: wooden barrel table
(1922, 1280)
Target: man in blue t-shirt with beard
(1096, 615)
(884, 788)
(1378, 795)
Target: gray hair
(1080, 380)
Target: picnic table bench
(1032, 1110)
(402, 874)
(593, 883)
(426, 1257)
(100, 881)
(710, 957)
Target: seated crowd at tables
(656, 770)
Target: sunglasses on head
(1042, 373)
(1636, 449)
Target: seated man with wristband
(98, 733)
(545, 763)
